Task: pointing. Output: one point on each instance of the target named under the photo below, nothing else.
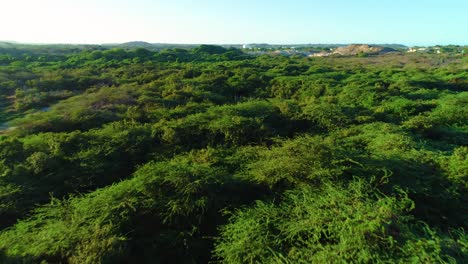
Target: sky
(409, 22)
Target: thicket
(212, 155)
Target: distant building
(320, 54)
(416, 49)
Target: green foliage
(134, 154)
(457, 166)
(210, 49)
(232, 124)
(179, 198)
(302, 161)
(333, 224)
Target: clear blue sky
(410, 22)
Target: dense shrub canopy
(213, 155)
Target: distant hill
(150, 46)
(136, 44)
(393, 46)
(19, 49)
(6, 44)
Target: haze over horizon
(235, 22)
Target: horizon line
(221, 44)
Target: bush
(333, 224)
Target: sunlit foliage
(113, 155)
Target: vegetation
(113, 155)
